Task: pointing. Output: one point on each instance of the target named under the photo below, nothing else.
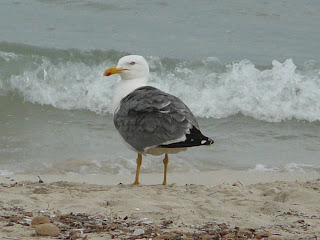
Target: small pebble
(47, 229)
(147, 222)
(138, 232)
(39, 220)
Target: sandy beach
(249, 71)
(206, 205)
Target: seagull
(149, 120)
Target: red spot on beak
(108, 74)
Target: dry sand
(206, 205)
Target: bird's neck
(124, 88)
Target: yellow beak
(112, 70)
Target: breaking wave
(72, 79)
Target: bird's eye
(132, 63)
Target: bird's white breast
(124, 88)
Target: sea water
(249, 71)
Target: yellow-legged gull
(149, 120)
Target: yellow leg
(165, 162)
(139, 160)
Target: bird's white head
(134, 72)
(130, 67)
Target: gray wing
(148, 117)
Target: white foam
(294, 167)
(209, 88)
(264, 168)
(275, 94)
(66, 86)
(4, 172)
(290, 167)
(8, 56)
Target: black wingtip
(194, 138)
